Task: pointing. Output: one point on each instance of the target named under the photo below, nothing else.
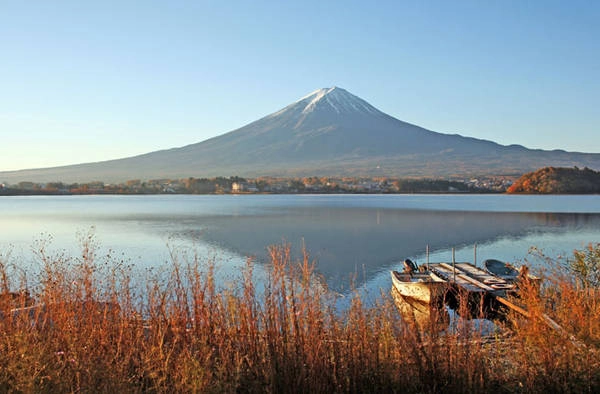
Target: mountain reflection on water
(364, 240)
(346, 235)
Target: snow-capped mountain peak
(336, 99)
(333, 100)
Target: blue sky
(90, 81)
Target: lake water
(365, 235)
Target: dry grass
(90, 332)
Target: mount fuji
(328, 132)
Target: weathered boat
(508, 272)
(425, 287)
(421, 315)
(501, 269)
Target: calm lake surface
(365, 235)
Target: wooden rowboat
(501, 269)
(425, 287)
(507, 271)
(421, 315)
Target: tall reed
(92, 330)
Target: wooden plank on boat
(460, 280)
(478, 277)
(452, 268)
(476, 282)
(478, 272)
(481, 275)
(466, 269)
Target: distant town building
(241, 187)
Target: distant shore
(45, 193)
(264, 185)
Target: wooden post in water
(453, 266)
(475, 254)
(547, 319)
(427, 254)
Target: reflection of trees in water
(362, 240)
(567, 220)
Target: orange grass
(90, 332)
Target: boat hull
(423, 287)
(423, 316)
(508, 272)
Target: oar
(547, 319)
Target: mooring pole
(475, 254)
(453, 266)
(427, 254)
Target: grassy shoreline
(94, 333)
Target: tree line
(237, 184)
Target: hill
(329, 132)
(551, 180)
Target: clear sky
(85, 81)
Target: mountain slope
(328, 132)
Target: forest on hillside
(558, 180)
